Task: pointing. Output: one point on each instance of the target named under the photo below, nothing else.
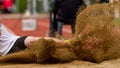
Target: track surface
(15, 25)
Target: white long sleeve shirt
(7, 40)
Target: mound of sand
(97, 35)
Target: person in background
(1, 6)
(67, 14)
(53, 17)
(10, 43)
(7, 6)
(64, 14)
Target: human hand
(56, 40)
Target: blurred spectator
(53, 5)
(7, 6)
(65, 14)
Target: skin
(30, 40)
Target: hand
(57, 40)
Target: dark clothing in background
(64, 11)
(1, 2)
(68, 9)
(67, 12)
(1, 6)
(53, 15)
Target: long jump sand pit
(74, 64)
(97, 40)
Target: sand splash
(97, 38)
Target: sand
(114, 63)
(74, 64)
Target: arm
(30, 40)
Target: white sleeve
(7, 40)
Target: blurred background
(33, 17)
(20, 6)
(28, 17)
